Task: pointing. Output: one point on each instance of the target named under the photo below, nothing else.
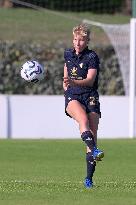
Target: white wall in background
(34, 116)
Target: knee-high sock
(87, 137)
(90, 165)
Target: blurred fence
(96, 6)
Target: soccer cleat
(98, 154)
(88, 183)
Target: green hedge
(13, 55)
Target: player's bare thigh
(77, 111)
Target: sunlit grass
(52, 172)
(43, 26)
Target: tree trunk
(127, 7)
(6, 3)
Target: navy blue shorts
(90, 101)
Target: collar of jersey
(81, 53)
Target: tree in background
(6, 3)
(127, 7)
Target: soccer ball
(32, 71)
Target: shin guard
(87, 137)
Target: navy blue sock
(87, 137)
(90, 165)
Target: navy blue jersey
(78, 66)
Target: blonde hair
(82, 30)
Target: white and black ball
(32, 71)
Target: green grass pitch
(51, 172)
(30, 25)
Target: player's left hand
(67, 81)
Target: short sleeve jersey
(78, 66)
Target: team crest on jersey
(74, 71)
(81, 65)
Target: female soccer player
(80, 83)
